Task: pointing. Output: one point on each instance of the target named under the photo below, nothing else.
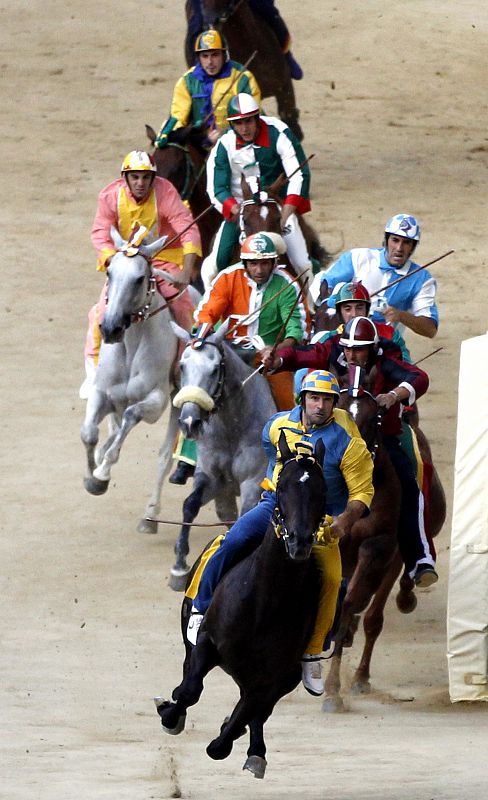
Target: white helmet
(404, 225)
(242, 106)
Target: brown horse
(246, 33)
(265, 215)
(182, 162)
(370, 556)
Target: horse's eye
(140, 280)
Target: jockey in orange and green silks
(201, 95)
(141, 198)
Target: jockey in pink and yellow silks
(140, 197)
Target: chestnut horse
(370, 556)
(245, 33)
(182, 161)
(261, 615)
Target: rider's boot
(312, 675)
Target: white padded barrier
(467, 613)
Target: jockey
(396, 382)
(139, 197)
(348, 470)
(201, 95)
(262, 149)
(265, 9)
(237, 292)
(409, 304)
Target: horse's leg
(203, 659)
(149, 409)
(250, 493)
(97, 408)
(153, 507)
(245, 710)
(287, 108)
(191, 507)
(373, 625)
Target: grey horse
(133, 377)
(227, 418)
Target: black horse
(261, 616)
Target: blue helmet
(320, 381)
(404, 225)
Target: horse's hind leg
(173, 714)
(147, 524)
(287, 109)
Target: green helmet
(353, 292)
(258, 246)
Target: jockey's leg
(328, 561)
(415, 543)
(281, 385)
(93, 342)
(195, 26)
(266, 10)
(297, 250)
(240, 540)
(221, 254)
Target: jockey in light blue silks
(408, 304)
(265, 9)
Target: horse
(182, 162)
(133, 377)
(370, 556)
(244, 34)
(226, 416)
(261, 616)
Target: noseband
(252, 202)
(278, 522)
(217, 397)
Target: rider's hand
(392, 314)
(268, 358)
(213, 135)
(234, 212)
(387, 400)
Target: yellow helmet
(137, 161)
(210, 40)
(321, 381)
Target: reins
(373, 449)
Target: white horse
(133, 377)
(226, 418)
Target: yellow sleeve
(181, 104)
(357, 469)
(254, 86)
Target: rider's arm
(357, 470)
(423, 326)
(215, 303)
(175, 218)
(180, 114)
(105, 217)
(292, 159)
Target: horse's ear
(319, 452)
(180, 332)
(219, 336)
(116, 238)
(245, 188)
(150, 250)
(276, 187)
(150, 133)
(283, 447)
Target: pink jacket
(162, 212)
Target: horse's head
(356, 398)
(130, 286)
(202, 370)
(259, 210)
(300, 497)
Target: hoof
(333, 704)
(147, 526)
(219, 750)
(166, 711)
(178, 580)
(256, 765)
(406, 602)
(94, 486)
(361, 687)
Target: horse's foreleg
(97, 408)
(373, 625)
(287, 108)
(333, 701)
(146, 524)
(250, 494)
(221, 747)
(191, 507)
(173, 714)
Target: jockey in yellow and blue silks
(201, 95)
(348, 470)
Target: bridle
(356, 393)
(253, 202)
(232, 8)
(277, 520)
(144, 313)
(218, 395)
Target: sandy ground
(393, 104)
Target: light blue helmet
(404, 225)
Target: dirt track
(90, 628)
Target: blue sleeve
(342, 271)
